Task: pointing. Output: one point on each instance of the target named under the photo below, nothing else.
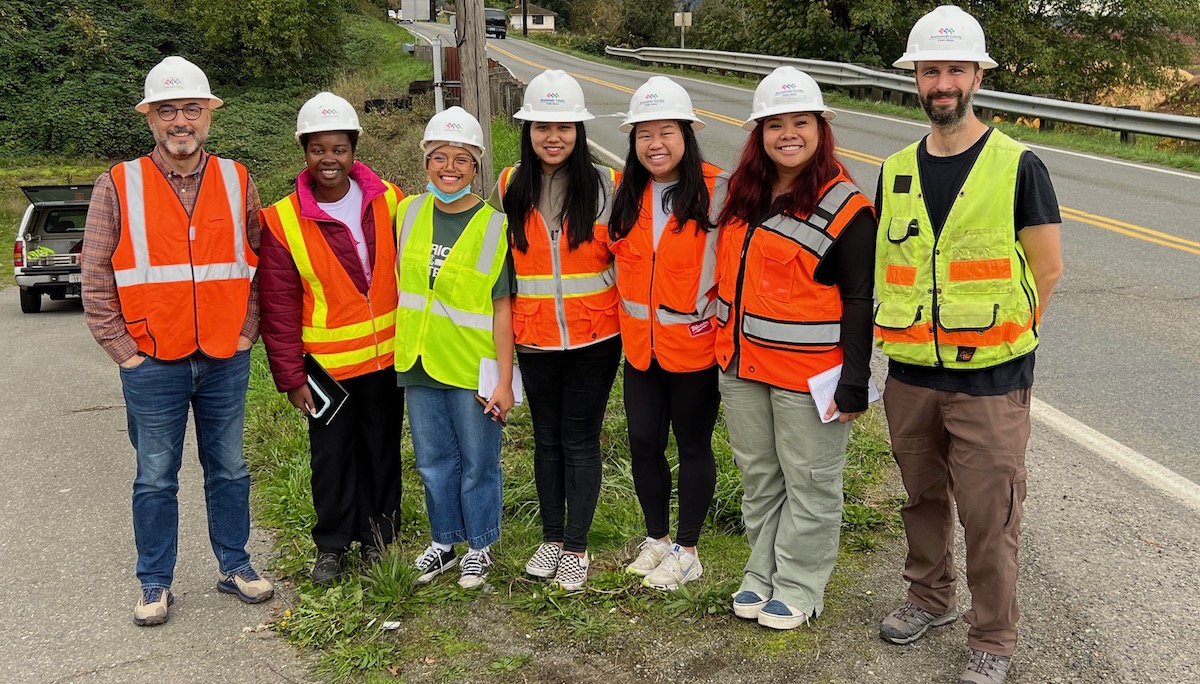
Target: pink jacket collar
(372, 187)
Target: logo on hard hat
(452, 126)
(652, 96)
(945, 34)
(329, 111)
(788, 90)
(553, 98)
(173, 82)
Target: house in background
(540, 18)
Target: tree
(648, 22)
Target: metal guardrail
(857, 77)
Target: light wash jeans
(457, 451)
(157, 397)
(791, 467)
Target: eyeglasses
(462, 163)
(191, 112)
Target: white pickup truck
(49, 240)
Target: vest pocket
(630, 268)
(901, 228)
(525, 322)
(980, 262)
(968, 316)
(779, 269)
(898, 315)
(678, 287)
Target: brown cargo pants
(954, 448)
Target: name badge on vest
(902, 185)
(697, 329)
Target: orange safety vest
(183, 282)
(786, 327)
(674, 282)
(566, 298)
(348, 333)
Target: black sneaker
(327, 568)
(433, 562)
(370, 555)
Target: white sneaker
(679, 567)
(544, 562)
(651, 556)
(572, 571)
(474, 569)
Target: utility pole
(525, 18)
(476, 99)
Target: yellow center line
(1114, 225)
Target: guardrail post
(1128, 137)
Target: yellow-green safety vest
(449, 326)
(964, 299)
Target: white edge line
(1154, 474)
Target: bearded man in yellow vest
(967, 257)
(169, 257)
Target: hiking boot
(370, 555)
(909, 623)
(572, 571)
(679, 567)
(544, 562)
(326, 569)
(985, 668)
(474, 569)
(747, 604)
(778, 615)
(247, 586)
(433, 562)
(652, 553)
(153, 608)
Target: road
(66, 535)
(1111, 571)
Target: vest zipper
(560, 312)
(736, 305)
(652, 314)
(935, 309)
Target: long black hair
(688, 198)
(579, 210)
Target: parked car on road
(49, 240)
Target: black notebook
(328, 394)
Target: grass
(1169, 152)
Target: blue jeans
(457, 451)
(157, 397)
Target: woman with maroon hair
(796, 261)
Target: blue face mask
(445, 198)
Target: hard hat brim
(825, 112)
(428, 147)
(213, 101)
(545, 117)
(326, 129)
(909, 59)
(630, 122)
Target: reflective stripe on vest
(365, 343)
(963, 299)
(447, 326)
(774, 319)
(143, 272)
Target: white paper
(489, 377)
(822, 386)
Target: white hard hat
(553, 96)
(787, 90)
(947, 34)
(326, 112)
(659, 99)
(454, 126)
(175, 78)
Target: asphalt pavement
(66, 536)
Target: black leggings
(657, 401)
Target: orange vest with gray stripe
(965, 298)
(183, 282)
(667, 298)
(782, 326)
(566, 298)
(348, 333)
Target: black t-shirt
(1036, 203)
